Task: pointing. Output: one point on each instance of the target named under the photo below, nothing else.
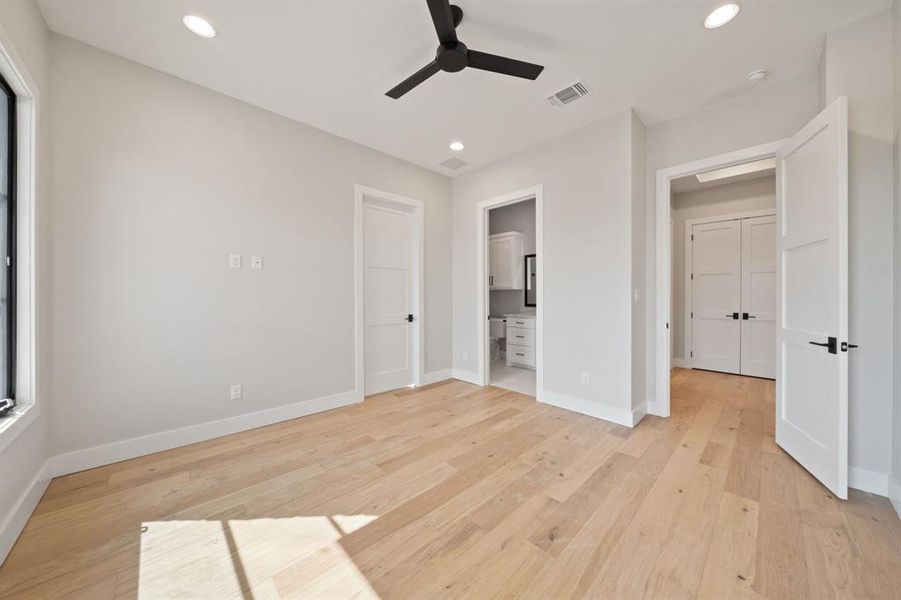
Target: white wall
(895, 484)
(156, 181)
(514, 217)
(762, 115)
(587, 254)
(741, 196)
(24, 36)
(637, 190)
(858, 64)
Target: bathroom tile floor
(512, 378)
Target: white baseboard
(868, 481)
(655, 408)
(895, 495)
(681, 363)
(639, 412)
(14, 521)
(467, 376)
(621, 416)
(79, 460)
(436, 376)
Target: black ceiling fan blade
(413, 80)
(443, 20)
(503, 65)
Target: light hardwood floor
(455, 491)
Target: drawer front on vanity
(518, 336)
(520, 355)
(517, 322)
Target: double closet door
(733, 296)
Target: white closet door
(387, 238)
(716, 296)
(758, 297)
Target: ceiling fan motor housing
(451, 56)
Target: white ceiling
(329, 63)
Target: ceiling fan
(453, 55)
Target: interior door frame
(660, 406)
(687, 361)
(535, 192)
(364, 195)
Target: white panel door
(812, 315)
(758, 297)
(388, 335)
(716, 296)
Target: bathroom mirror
(531, 280)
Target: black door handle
(846, 345)
(746, 316)
(409, 318)
(733, 316)
(832, 345)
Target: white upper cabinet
(505, 262)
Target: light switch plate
(234, 261)
(234, 392)
(256, 263)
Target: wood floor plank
(457, 491)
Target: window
(7, 247)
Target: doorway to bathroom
(510, 291)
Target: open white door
(812, 326)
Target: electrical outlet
(235, 392)
(256, 263)
(586, 378)
(234, 261)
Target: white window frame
(27, 111)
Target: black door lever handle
(831, 344)
(846, 345)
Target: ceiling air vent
(453, 163)
(569, 94)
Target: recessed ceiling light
(721, 15)
(456, 146)
(199, 25)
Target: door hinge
(692, 276)
(692, 315)
(691, 354)
(692, 237)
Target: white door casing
(716, 296)
(758, 297)
(812, 380)
(388, 298)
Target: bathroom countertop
(520, 316)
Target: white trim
(482, 208)
(639, 412)
(14, 521)
(621, 416)
(868, 481)
(436, 376)
(97, 456)
(361, 194)
(681, 363)
(688, 287)
(467, 376)
(27, 115)
(895, 495)
(654, 408)
(664, 253)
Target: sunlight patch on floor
(251, 558)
